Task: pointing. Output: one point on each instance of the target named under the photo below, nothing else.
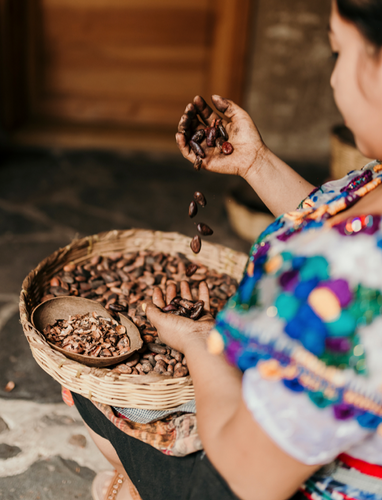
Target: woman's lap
(154, 474)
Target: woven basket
(103, 385)
(344, 153)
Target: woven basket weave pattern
(102, 385)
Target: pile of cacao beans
(121, 282)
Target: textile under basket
(103, 385)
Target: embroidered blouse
(305, 326)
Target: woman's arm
(236, 445)
(278, 185)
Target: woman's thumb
(154, 314)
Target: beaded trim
(115, 486)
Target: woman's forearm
(217, 388)
(276, 183)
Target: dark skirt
(155, 475)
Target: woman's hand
(176, 331)
(243, 135)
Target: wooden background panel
(115, 72)
(120, 63)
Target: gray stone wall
(288, 93)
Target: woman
(302, 388)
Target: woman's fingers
(185, 291)
(170, 292)
(204, 294)
(158, 299)
(206, 113)
(188, 121)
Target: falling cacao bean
(204, 230)
(196, 244)
(200, 198)
(192, 209)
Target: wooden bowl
(52, 310)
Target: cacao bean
(196, 244)
(200, 198)
(169, 308)
(197, 149)
(198, 163)
(180, 372)
(198, 136)
(197, 310)
(219, 143)
(221, 129)
(158, 349)
(204, 229)
(191, 269)
(211, 136)
(227, 148)
(123, 369)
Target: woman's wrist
(262, 158)
(194, 345)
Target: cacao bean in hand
(197, 149)
(192, 209)
(219, 143)
(197, 310)
(196, 244)
(221, 129)
(198, 163)
(211, 136)
(204, 229)
(169, 308)
(200, 198)
(199, 136)
(227, 148)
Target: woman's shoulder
(326, 190)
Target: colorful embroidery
(316, 309)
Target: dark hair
(366, 15)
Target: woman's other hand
(176, 331)
(242, 132)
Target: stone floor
(47, 198)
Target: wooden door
(115, 73)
